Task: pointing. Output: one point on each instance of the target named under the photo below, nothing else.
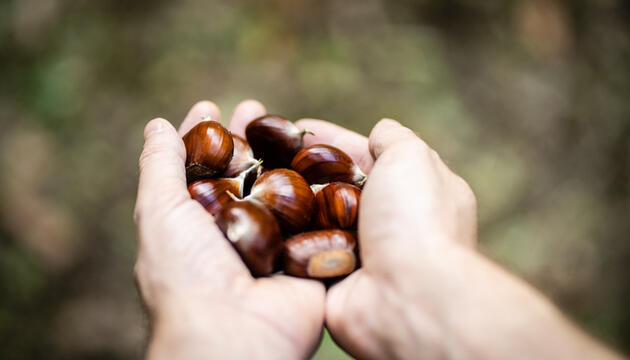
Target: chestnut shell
(337, 206)
(275, 140)
(321, 164)
(209, 148)
(254, 233)
(242, 158)
(320, 254)
(212, 193)
(287, 195)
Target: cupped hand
(412, 206)
(202, 299)
(423, 291)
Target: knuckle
(138, 276)
(410, 148)
(137, 214)
(148, 154)
(467, 194)
(436, 156)
(137, 272)
(140, 282)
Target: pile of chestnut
(282, 205)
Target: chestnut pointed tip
(361, 178)
(321, 163)
(317, 187)
(306, 132)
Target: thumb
(388, 134)
(400, 193)
(162, 185)
(176, 228)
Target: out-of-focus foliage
(527, 100)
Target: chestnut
(242, 158)
(321, 164)
(287, 195)
(209, 148)
(320, 254)
(254, 233)
(213, 194)
(275, 140)
(336, 206)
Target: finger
(245, 112)
(435, 205)
(403, 161)
(292, 298)
(197, 113)
(343, 313)
(353, 144)
(387, 134)
(162, 176)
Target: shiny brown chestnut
(209, 148)
(212, 194)
(242, 158)
(287, 195)
(254, 232)
(320, 254)
(321, 164)
(275, 140)
(336, 206)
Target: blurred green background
(528, 100)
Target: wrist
(454, 304)
(480, 299)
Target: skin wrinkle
(237, 308)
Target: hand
(423, 292)
(202, 299)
